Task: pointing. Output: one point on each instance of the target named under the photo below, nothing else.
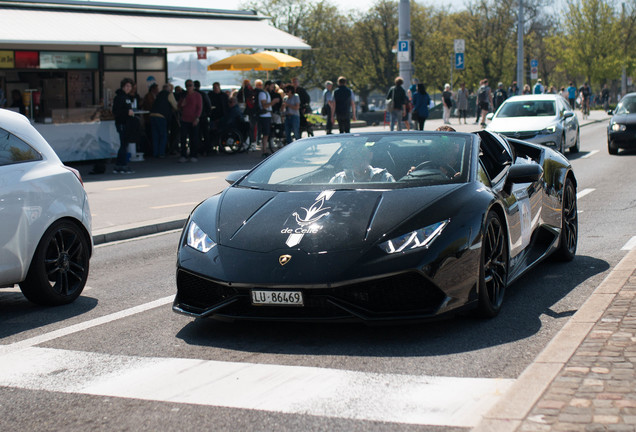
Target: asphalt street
(120, 359)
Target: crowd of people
(410, 106)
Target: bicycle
(585, 108)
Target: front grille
(404, 294)
(520, 135)
(194, 291)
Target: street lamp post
(520, 47)
(404, 34)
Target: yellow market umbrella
(283, 60)
(244, 62)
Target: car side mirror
(235, 176)
(489, 116)
(526, 173)
(568, 114)
(610, 112)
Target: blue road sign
(534, 63)
(403, 54)
(459, 61)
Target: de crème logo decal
(307, 219)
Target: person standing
(345, 105)
(328, 105)
(397, 101)
(305, 102)
(484, 98)
(462, 102)
(160, 115)
(447, 100)
(538, 87)
(605, 96)
(500, 96)
(421, 101)
(125, 123)
(291, 108)
(513, 90)
(191, 107)
(204, 119)
(265, 114)
(219, 106)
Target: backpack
(482, 96)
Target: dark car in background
(621, 131)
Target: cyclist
(585, 93)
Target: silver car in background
(544, 119)
(45, 240)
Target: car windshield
(527, 109)
(626, 106)
(365, 161)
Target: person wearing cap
(538, 87)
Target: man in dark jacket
(344, 105)
(125, 124)
(160, 115)
(397, 97)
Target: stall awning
(102, 24)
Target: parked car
(377, 227)
(543, 119)
(45, 234)
(621, 131)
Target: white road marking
(590, 154)
(410, 399)
(199, 179)
(584, 192)
(189, 204)
(27, 343)
(630, 245)
(127, 187)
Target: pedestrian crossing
(395, 398)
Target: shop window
(14, 150)
(118, 62)
(150, 62)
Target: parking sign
(403, 51)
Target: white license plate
(277, 298)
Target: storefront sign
(6, 60)
(26, 60)
(68, 60)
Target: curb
(142, 229)
(515, 405)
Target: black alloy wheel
(569, 223)
(493, 272)
(59, 268)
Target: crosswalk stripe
(590, 154)
(409, 399)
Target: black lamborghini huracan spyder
(377, 227)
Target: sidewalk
(584, 380)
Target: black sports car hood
(314, 222)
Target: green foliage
(593, 41)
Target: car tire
(493, 268)
(577, 144)
(612, 148)
(276, 143)
(568, 239)
(59, 268)
(562, 145)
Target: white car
(544, 119)
(45, 229)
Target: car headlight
(422, 237)
(198, 239)
(617, 127)
(549, 130)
